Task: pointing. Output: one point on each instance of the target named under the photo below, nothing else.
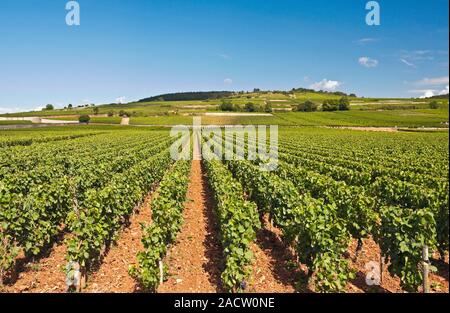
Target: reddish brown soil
(112, 275)
(43, 276)
(371, 253)
(47, 274)
(195, 260)
(272, 270)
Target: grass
(209, 120)
(149, 109)
(162, 120)
(401, 118)
(388, 118)
(15, 122)
(363, 112)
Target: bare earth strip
(371, 253)
(112, 276)
(270, 272)
(195, 260)
(45, 275)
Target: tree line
(329, 105)
(189, 96)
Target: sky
(128, 50)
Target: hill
(189, 96)
(439, 97)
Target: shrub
(330, 105)
(307, 106)
(48, 107)
(84, 119)
(250, 107)
(123, 113)
(226, 105)
(344, 104)
(434, 105)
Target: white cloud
(306, 78)
(432, 86)
(326, 84)
(366, 40)
(416, 56)
(445, 91)
(368, 62)
(9, 110)
(121, 100)
(434, 81)
(227, 81)
(427, 94)
(408, 63)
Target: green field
(401, 118)
(355, 118)
(276, 99)
(364, 112)
(15, 122)
(331, 188)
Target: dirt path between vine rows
(195, 260)
(112, 275)
(369, 260)
(271, 271)
(43, 276)
(47, 274)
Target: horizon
(130, 51)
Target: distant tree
(84, 119)
(110, 113)
(256, 90)
(268, 107)
(48, 107)
(250, 107)
(330, 105)
(307, 106)
(344, 104)
(95, 110)
(70, 106)
(123, 113)
(434, 105)
(226, 105)
(352, 95)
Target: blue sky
(138, 48)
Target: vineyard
(98, 209)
